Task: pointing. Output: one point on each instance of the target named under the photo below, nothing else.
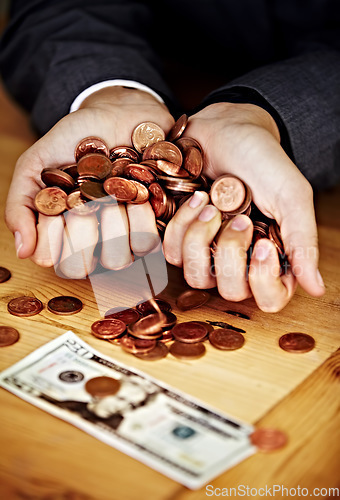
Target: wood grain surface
(45, 458)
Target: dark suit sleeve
(53, 50)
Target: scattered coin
(146, 134)
(108, 328)
(137, 346)
(128, 316)
(226, 340)
(181, 350)
(296, 342)
(189, 332)
(158, 352)
(191, 299)
(25, 306)
(149, 326)
(147, 307)
(268, 439)
(64, 305)
(5, 274)
(8, 336)
(101, 387)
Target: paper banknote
(160, 426)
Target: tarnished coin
(5, 274)
(8, 336)
(181, 350)
(227, 193)
(94, 191)
(108, 328)
(127, 315)
(71, 376)
(145, 134)
(25, 306)
(51, 201)
(64, 305)
(79, 205)
(158, 199)
(226, 340)
(296, 342)
(142, 193)
(157, 353)
(58, 178)
(178, 128)
(189, 332)
(191, 299)
(164, 150)
(91, 145)
(120, 189)
(124, 152)
(100, 387)
(193, 162)
(268, 439)
(94, 164)
(137, 346)
(148, 307)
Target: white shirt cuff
(111, 83)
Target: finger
(49, 241)
(271, 292)
(80, 240)
(144, 235)
(115, 252)
(196, 248)
(177, 227)
(231, 259)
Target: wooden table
(45, 458)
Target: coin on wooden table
(148, 327)
(167, 336)
(209, 327)
(158, 199)
(94, 164)
(100, 387)
(120, 189)
(94, 191)
(148, 306)
(128, 316)
(142, 193)
(189, 332)
(178, 128)
(79, 205)
(124, 152)
(296, 342)
(58, 178)
(191, 299)
(226, 340)
(51, 201)
(157, 353)
(164, 150)
(137, 346)
(25, 306)
(5, 274)
(181, 350)
(91, 145)
(268, 439)
(193, 162)
(64, 305)
(8, 336)
(227, 193)
(108, 328)
(145, 134)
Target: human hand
(243, 140)
(110, 114)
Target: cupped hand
(243, 140)
(110, 114)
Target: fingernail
(208, 213)
(261, 252)
(196, 199)
(18, 242)
(240, 223)
(319, 279)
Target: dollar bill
(152, 422)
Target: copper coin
(227, 193)
(209, 327)
(5, 274)
(128, 316)
(91, 145)
(79, 205)
(157, 353)
(58, 178)
(51, 201)
(167, 167)
(120, 189)
(158, 199)
(167, 336)
(94, 191)
(184, 143)
(148, 326)
(164, 150)
(170, 319)
(118, 166)
(142, 193)
(275, 235)
(101, 387)
(25, 306)
(296, 342)
(178, 128)
(148, 307)
(137, 346)
(81, 179)
(8, 336)
(64, 305)
(226, 340)
(145, 134)
(268, 439)
(124, 152)
(189, 332)
(117, 340)
(191, 299)
(94, 164)
(71, 170)
(139, 173)
(193, 162)
(181, 350)
(108, 328)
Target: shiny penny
(8, 336)
(51, 201)
(101, 387)
(142, 193)
(25, 306)
(193, 162)
(164, 150)
(189, 332)
(120, 189)
(158, 199)
(227, 193)
(108, 328)
(64, 305)
(128, 316)
(268, 439)
(146, 134)
(139, 173)
(181, 350)
(148, 326)
(94, 164)
(191, 299)
(124, 152)
(296, 342)
(226, 340)
(58, 178)
(5, 274)
(178, 128)
(157, 353)
(91, 145)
